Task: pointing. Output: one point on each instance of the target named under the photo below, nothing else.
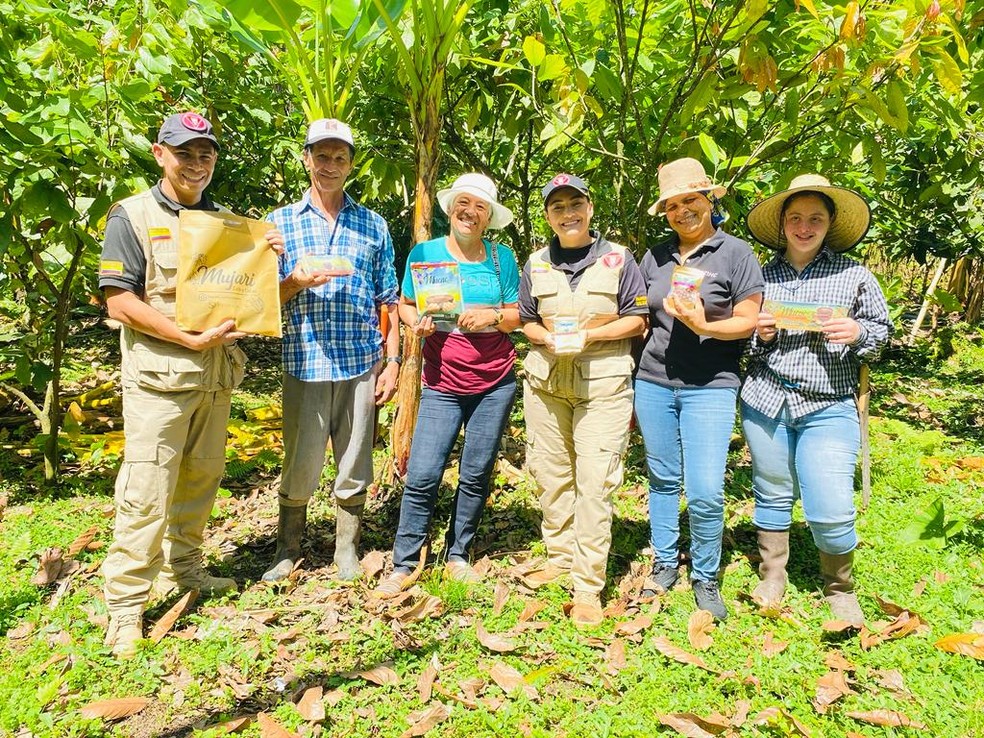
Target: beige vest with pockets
(153, 363)
(604, 367)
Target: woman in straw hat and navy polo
(468, 375)
(704, 289)
(797, 403)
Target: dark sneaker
(660, 580)
(708, 597)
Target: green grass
(259, 650)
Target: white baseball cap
(324, 129)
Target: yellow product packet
(226, 270)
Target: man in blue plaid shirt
(336, 274)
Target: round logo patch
(561, 179)
(612, 260)
(194, 122)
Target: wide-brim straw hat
(481, 187)
(852, 216)
(680, 177)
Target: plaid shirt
(332, 331)
(801, 369)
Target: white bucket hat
(680, 177)
(852, 216)
(481, 187)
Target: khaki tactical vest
(603, 367)
(152, 362)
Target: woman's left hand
(691, 316)
(475, 319)
(844, 331)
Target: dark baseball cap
(181, 128)
(561, 181)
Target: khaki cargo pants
(174, 459)
(575, 450)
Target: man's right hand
(304, 279)
(221, 335)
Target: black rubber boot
(290, 528)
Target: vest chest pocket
(163, 276)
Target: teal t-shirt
(479, 287)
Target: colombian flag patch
(110, 268)
(159, 234)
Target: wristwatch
(394, 359)
(499, 317)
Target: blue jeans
(687, 431)
(813, 458)
(439, 420)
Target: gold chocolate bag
(226, 271)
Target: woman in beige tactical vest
(582, 299)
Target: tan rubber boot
(838, 587)
(348, 531)
(774, 548)
(124, 635)
(290, 528)
(586, 612)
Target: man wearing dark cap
(336, 275)
(177, 387)
(581, 299)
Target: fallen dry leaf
(427, 606)
(492, 642)
(830, 688)
(49, 567)
(425, 682)
(966, 644)
(891, 679)
(772, 647)
(836, 660)
(631, 627)
(509, 680)
(838, 626)
(684, 723)
(270, 728)
(82, 541)
(382, 675)
(21, 631)
(114, 709)
(471, 688)
(886, 717)
(615, 656)
(941, 577)
(168, 619)
(919, 588)
(499, 597)
(235, 725)
(530, 610)
(334, 697)
(425, 720)
(373, 563)
(665, 647)
(699, 628)
(311, 706)
(777, 714)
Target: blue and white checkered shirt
(332, 331)
(801, 369)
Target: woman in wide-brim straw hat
(468, 374)
(797, 403)
(687, 382)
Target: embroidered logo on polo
(612, 260)
(194, 122)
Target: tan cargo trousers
(575, 450)
(174, 458)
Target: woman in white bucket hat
(704, 292)
(467, 375)
(824, 315)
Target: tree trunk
(427, 134)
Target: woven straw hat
(481, 187)
(680, 177)
(852, 216)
